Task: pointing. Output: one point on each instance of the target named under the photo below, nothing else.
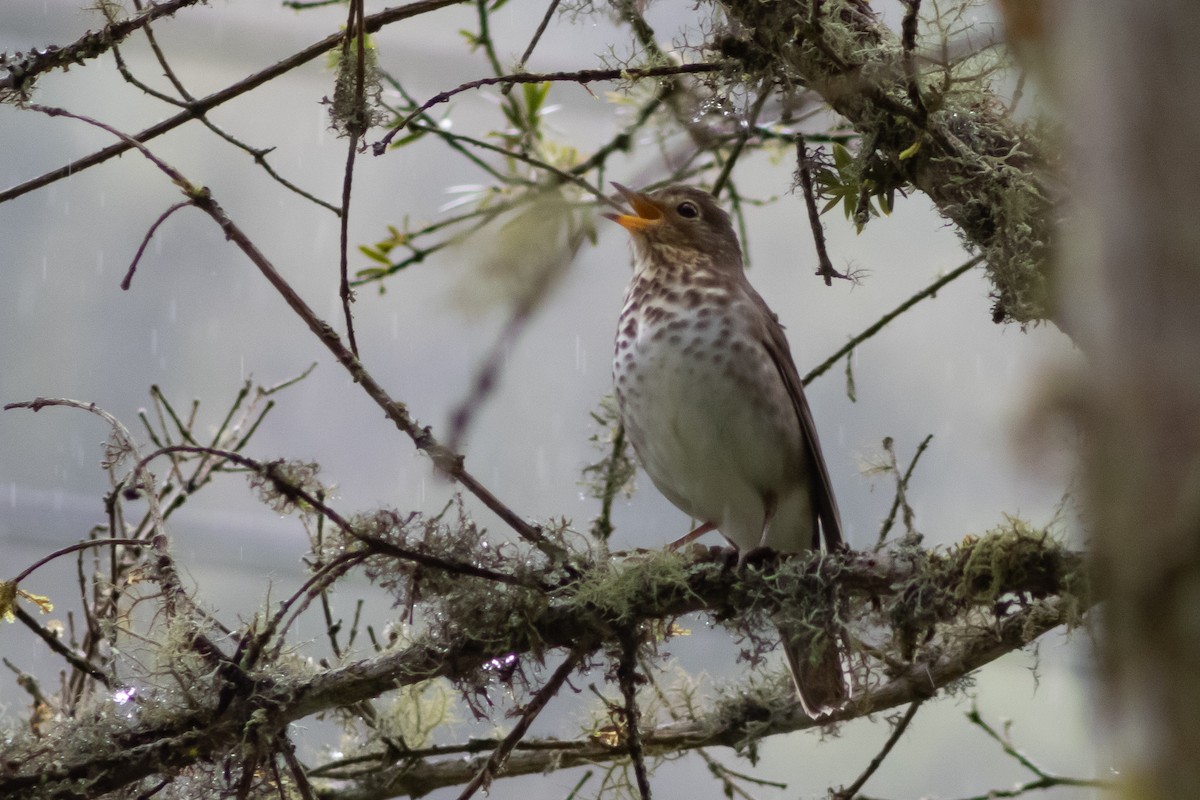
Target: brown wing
(823, 500)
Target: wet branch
(371, 24)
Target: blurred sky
(200, 319)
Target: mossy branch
(961, 147)
(970, 604)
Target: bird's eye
(687, 209)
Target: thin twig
(824, 265)
(537, 36)
(41, 562)
(23, 72)
(602, 527)
(128, 279)
(583, 76)
(258, 154)
(272, 472)
(929, 291)
(627, 678)
(371, 24)
(55, 644)
(448, 461)
(356, 127)
(900, 500)
(495, 762)
(897, 731)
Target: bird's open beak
(648, 213)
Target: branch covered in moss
(959, 145)
(23, 69)
(949, 613)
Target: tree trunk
(1128, 77)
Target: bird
(712, 403)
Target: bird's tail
(819, 666)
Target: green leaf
(409, 139)
(842, 158)
(371, 273)
(535, 95)
(374, 253)
(910, 151)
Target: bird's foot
(759, 556)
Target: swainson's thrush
(712, 402)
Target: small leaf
(842, 157)
(409, 139)
(374, 254)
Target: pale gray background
(199, 319)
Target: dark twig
(371, 24)
(22, 71)
(128, 279)
(285, 748)
(537, 36)
(1043, 780)
(356, 126)
(55, 644)
(41, 562)
(614, 478)
(437, 130)
(258, 154)
(627, 678)
(495, 761)
(929, 291)
(824, 265)
(901, 499)
(316, 585)
(583, 76)
(446, 460)
(271, 471)
(897, 731)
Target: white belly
(714, 427)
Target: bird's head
(680, 224)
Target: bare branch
(371, 24)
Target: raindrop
(172, 310)
(12, 494)
(100, 262)
(154, 341)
